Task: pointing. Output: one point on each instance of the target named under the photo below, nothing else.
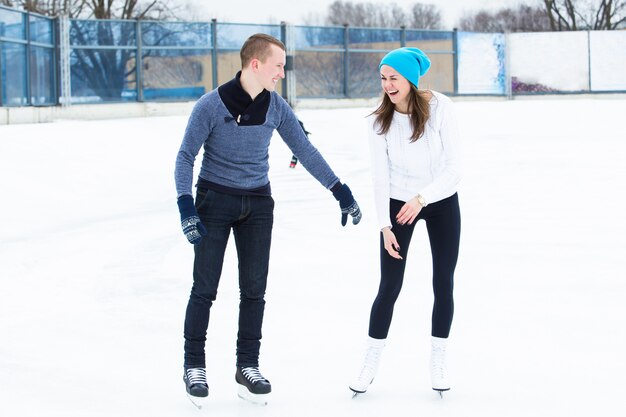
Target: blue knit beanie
(411, 63)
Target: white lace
(196, 376)
(370, 365)
(438, 372)
(438, 365)
(252, 374)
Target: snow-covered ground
(95, 273)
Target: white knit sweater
(428, 166)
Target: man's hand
(348, 205)
(189, 220)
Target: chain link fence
(59, 61)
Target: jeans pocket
(202, 198)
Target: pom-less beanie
(411, 63)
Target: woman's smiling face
(395, 86)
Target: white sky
(261, 11)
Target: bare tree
(107, 73)
(424, 16)
(325, 69)
(384, 15)
(99, 9)
(585, 14)
(365, 14)
(520, 19)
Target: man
(235, 123)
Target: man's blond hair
(258, 46)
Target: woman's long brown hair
(419, 111)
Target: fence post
(507, 67)
(589, 58)
(289, 82)
(214, 52)
(346, 61)
(29, 101)
(139, 62)
(402, 36)
(283, 39)
(65, 78)
(57, 59)
(1, 66)
(455, 60)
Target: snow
(95, 273)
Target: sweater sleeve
(292, 134)
(198, 129)
(380, 173)
(446, 181)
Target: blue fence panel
(176, 74)
(102, 75)
(102, 61)
(178, 93)
(179, 34)
(122, 60)
(103, 33)
(41, 30)
(42, 79)
(374, 38)
(319, 74)
(428, 35)
(231, 36)
(14, 81)
(42, 64)
(12, 24)
(318, 37)
(319, 61)
(364, 75)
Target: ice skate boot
(438, 369)
(253, 386)
(196, 385)
(373, 352)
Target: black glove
(348, 205)
(189, 220)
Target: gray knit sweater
(237, 156)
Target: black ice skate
(253, 386)
(196, 385)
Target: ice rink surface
(95, 273)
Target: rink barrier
(19, 115)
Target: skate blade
(355, 392)
(198, 402)
(440, 391)
(258, 399)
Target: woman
(414, 145)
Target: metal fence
(27, 59)
(45, 61)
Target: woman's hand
(409, 211)
(391, 244)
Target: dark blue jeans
(443, 222)
(251, 219)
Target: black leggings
(443, 222)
